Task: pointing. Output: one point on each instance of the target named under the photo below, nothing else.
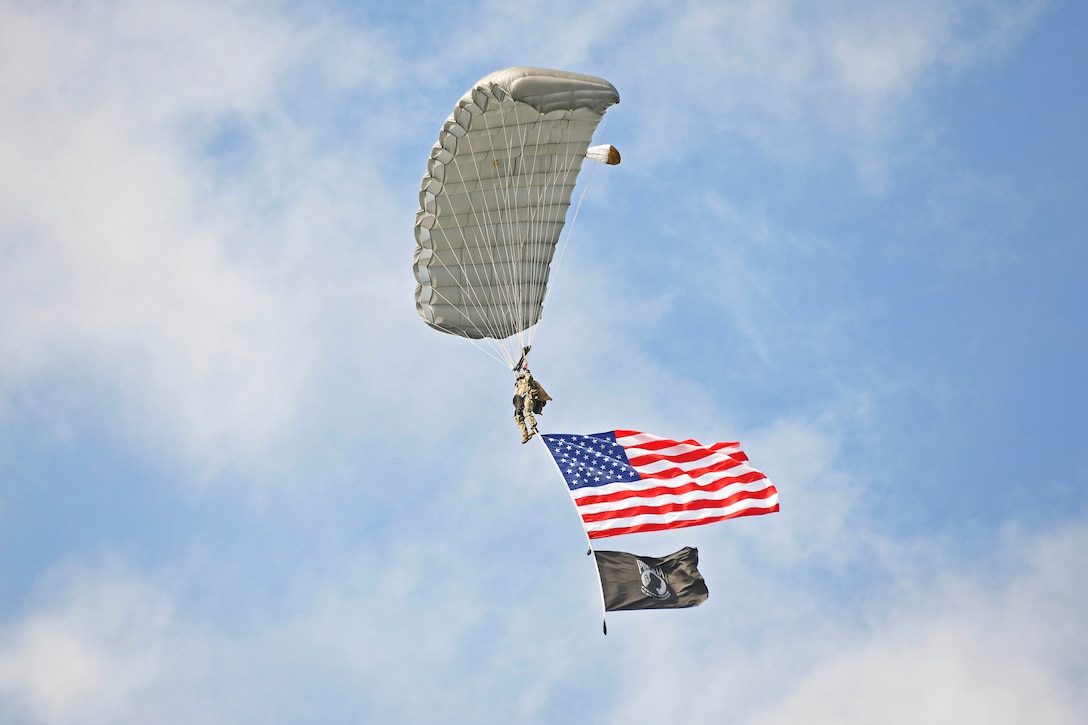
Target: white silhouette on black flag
(646, 582)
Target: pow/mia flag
(645, 582)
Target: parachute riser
(523, 362)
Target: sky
(242, 482)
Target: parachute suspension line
(523, 251)
(485, 227)
(505, 264)
(523, 361)
(519, 229)
(568, 231)
(503, 300)
(570, 227)
(559, 175)
(534, 232)
(489, 350)
(501, 297)
(467, 292)
(496, 235)
(525, 259)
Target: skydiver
(529, 397)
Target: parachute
(495, 198)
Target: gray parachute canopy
(495, 198)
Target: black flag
(645, 582)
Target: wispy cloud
(941, 638)
(129, 262)
(804, 83)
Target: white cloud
(994, 644)
(801, 82)
(936, 643)
(938, 674)
(127, 266)
(966, 649)
(83, 657)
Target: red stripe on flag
(666, 473)
(662, 443)
(717, 485)
(685, 457)
(657, 443)
(667, 508)
(678, 524)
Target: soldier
(529, 397)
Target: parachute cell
(495, 197)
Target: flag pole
(589, 541)
(600, 583)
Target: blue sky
(241, 481)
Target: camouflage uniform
(529, 398)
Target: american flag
(624, 481)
